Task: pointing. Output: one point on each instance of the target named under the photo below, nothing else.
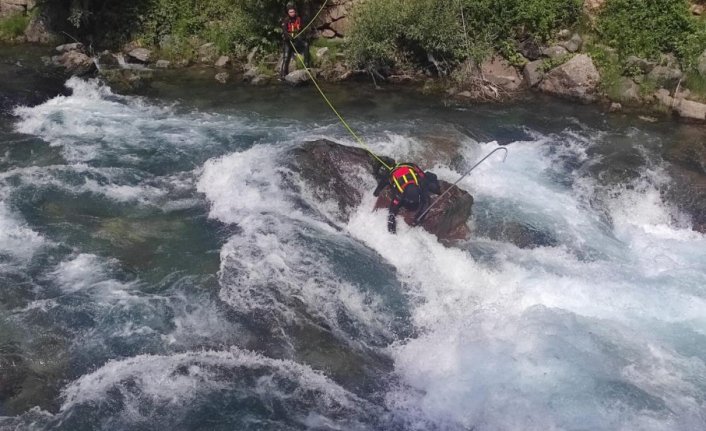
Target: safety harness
(404, 175)
(294, 26)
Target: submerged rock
(336, 172)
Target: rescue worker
(292, 27)
(411, 187)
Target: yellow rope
(312, 21)
(335, 111)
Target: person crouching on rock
(411, 187)
(294, 39)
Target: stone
(701, 64)
(107, 59)
(328, 33)
(615, 107)
(564, 34)
(593, 5)
(634, 62)
(223, 61)
(629, 92)
(37, 31)
(691, 110)
(222, 77)
(340, 27)
(252, 54)
(321, 52)
(555, 51)
(338, 173)
(141, 55)
(163, 64)
(529, 48)
(697, 9)
(665, 76)
(298, 77)
(78, 46)
(75, 63)
(574, 44)
(260, 80)
(127, 80)
(533, 72)
(577, 79)
(664, 97)
(498, 71)
(207, 53)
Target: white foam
(17, 240)
(503, 343)
(177, 381)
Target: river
(162, 268)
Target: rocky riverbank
(573, 65)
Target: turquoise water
(162, 268)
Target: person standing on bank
(293, 26)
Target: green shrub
(13, 26)
(648, 28)
(387, 29)
(232, 25)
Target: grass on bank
(13, 26)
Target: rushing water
(158, 272)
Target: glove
(391, 224)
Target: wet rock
(574, 44)
(690, 110)
(576, 79)
(665, 76)
(533, 72)
(75, 63)
(222, 77)
(335, 173)
(615, 107)
(141, 55)
(127, 80)
(223, 61)
(499, 72)
(555, 51)
(163, 64)
(78, 46)
(107, 59)
(298, 77)
(687, 190)
(521, 235)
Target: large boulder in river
(337, 173)
(75, 63)
(576, 79)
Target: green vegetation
(649, 28)
(389, 32)
(234, 26)
(13, 26)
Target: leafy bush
(648, 28)
(452, 30)
(232, 25)
(13, 26)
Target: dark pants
(302, 47)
